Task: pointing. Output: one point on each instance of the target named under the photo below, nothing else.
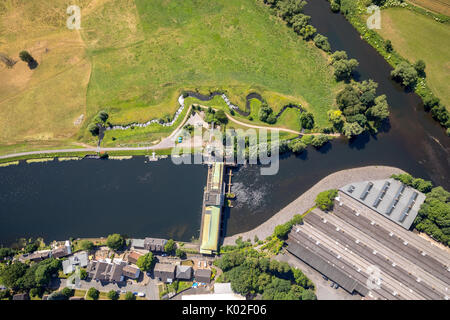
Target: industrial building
(365, 253)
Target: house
(105, 272)
(21, 296)
(133, 257)
(183, 272)
(154, 244)
(62, 251)
(137, 243)
(79, 259)
(164, 272)
(131, 272)
(35, 256)
(203, 275)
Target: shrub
(130, 296)
(405, 73)
(86, 245)
(319, 141)
(93, 293)
(115, 241)
(68, 292)
(113, 295)
(321, 42)
(325, 199)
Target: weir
(213, 201)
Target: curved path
(306, 200)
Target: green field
(416, 36)
(133, 58)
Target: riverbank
(306, 200)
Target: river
(94, 198)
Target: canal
(92, 198)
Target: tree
(83, 274)
(352, 129)
(146, 262)
(115, 241)
(298, 146)
(5, 294)
(180, 253)
(289, 8)
(336, 118)
(25, 56)
(405, 73)
(67, 292)
(130, 296)
(102, 116)
(5, 253)
(10, 275)
(299, 21)
(264, 112)
(221, 117)
(388, 46)
(170, 246)
(321, 42)
(86, 245)
(420, 67)
(94, 129)
(343, 69)
(307, 32)
(319, 140)
(93, 293)
(307, 120)
(325, 199)
(380, 110)
(113, 295)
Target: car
(123, 291)
(325, 278)
(332, 284)
(141, 294)
(336, 286)
(164, 255)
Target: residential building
(131, 272)
(203, 275)
(133, 257)
(154, 244)
(183, 273)
(105, 272)
(35, 256)
(164, 272)
(62, 251)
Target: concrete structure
(212, 209)
(388, 197)
(79, 259)
(365, 253)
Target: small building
(222, 291)
(133, 257)
(131, 272)
(203, 275)
(35, 256)
(183, 272)
(79, 259)
(62, 251)
(164, 272)
(21, 296)
(137, 243)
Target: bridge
(213, 201)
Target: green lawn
(159, 48)
(416, 36)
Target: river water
(92, 198)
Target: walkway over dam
(213, 201)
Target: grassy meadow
(416, 36)
(132, 58)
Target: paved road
(150, 289)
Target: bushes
(405, 73)
(146, 262)
(266, 114)
(321, 42)
(93, 293)
(343, 67)
(130, 296)
(115, 241)
(325, 199)
(319, 140)
(113, 295)
(281, 231)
